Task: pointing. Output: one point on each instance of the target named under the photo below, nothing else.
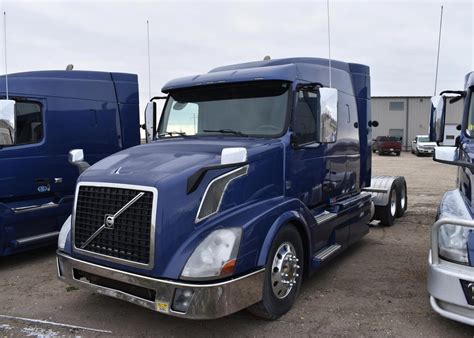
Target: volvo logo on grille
(109, 221)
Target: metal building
(408, 116)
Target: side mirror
(150, 121)
(76, 157)
(7, 122)
(328, 115)
(437, 119)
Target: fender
(290, 216)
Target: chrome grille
(130, 238)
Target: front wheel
(283, 275)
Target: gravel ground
(377, 287)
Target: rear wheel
(283, 275)
(386, 214)
(402, 196)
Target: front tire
(283, 275)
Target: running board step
(38, 238)
(326, 253)
(325, 217)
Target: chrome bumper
(447, 296)
(208, 301)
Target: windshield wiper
(171, 133)
(225, 131)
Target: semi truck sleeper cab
(451, 258)
(258, 174)
(48, 114)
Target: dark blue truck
(260, 173)
(451, 258)
(52, 112)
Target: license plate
(468, 288)
(391, 149)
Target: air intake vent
(212, 198)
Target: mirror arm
(310, 86)
(81, 165)
(457, 163)
(158, 98)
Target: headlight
(64, 233)
(215, 256)
(453, 243)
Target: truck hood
(167, 165)
(151, 163)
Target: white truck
(421, 145)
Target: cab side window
(29, 122)
(306, 117)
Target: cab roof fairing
(302, 69)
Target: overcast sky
(397, 39)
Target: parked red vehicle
(385, 145)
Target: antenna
(149, 67)
(5, 43)
(439, 47)
(329, 47)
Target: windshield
(257, 109)
(423, 139)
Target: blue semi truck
(47, 114)
(257, 174)
(451, 258)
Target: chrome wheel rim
(284, 270)
(393, 202)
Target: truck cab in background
(258, 173)
(48, 114)
(451, 258)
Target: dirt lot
(376, 288)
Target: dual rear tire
(397, 203)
